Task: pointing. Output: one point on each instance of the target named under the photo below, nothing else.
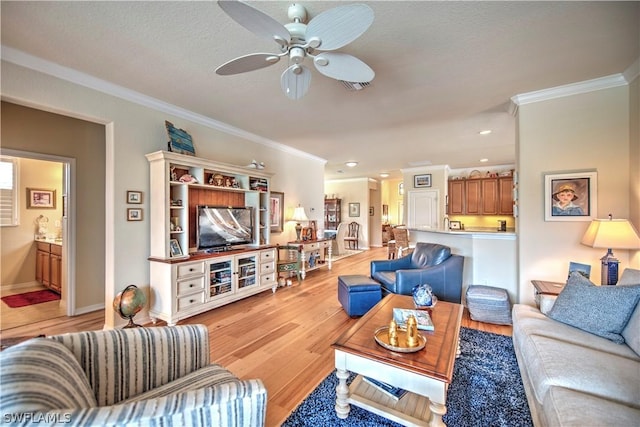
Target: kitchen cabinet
(482, 196)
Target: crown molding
(586, 86)
(632, 73)
(35, 63)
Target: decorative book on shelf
(391, 391)
(424, 320)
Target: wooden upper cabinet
(483, 196)
(473, 197)
(489, 196)
(505, 192)
(455, 205)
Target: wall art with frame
(570, 196)
(134, 214)
(276, 212)
(354, 209)
(41, 198)
(422, 180)
(134, 197)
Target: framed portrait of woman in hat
(570, 196)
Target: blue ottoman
(358, 293)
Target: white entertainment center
(185, 282)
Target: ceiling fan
(328, 31)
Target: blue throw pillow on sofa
(601, 310)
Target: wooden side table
(543, 287)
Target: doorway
(38, 226)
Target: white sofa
(573, 377)
(159, 376)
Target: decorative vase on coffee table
(423, 296)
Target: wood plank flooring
(283, 338)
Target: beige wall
(583, 132)
(353, 191)
(18, 249)
(390, 197)
(36, 131)
(634, 160)
(133, 130)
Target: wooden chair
(399, 245)
(289, 260)
(352, 235)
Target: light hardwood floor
(283, 338)
(20, 316)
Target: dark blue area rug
(486, 391)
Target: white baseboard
(88, 309)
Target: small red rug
(30, 298)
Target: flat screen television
(220, 226)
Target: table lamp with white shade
(611, 234)
(298, 216)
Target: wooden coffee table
(426, 374)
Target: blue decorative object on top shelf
(423, 296)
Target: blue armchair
(429, 263)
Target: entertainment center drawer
(267, 279)
(188, 301)
(190, 285)
(266, 256)
(311, 246)
(267, 267)
(191, 269)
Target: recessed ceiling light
(485, 132)
(484, 160)
(384, 175)
(351, 164)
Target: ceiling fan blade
(245, 63)
(254, 20)
(340, 26)
(295, 81)
(341, 66)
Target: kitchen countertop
(471, 231)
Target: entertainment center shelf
(185, 281)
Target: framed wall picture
(354, 209)
(276, 211)
(455, 225)
(41, 199)
(174, 248)
(134, 197)
(134, 214)
(370, 210)
(570, 196)
(422, 180)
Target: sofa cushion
(631, 332)
(630, 276)
(208, 376)
(601, 310)
(529, 321)
(429, 254)
(551, 362)
(42, 375)
(564, 407)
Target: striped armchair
(141, 376)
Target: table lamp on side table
(298, 216)
(611, 234)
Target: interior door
(423, 210)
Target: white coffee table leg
(437, 411)
(342, 394)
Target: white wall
(134, 130)
(575, 133)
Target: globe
(128, 303)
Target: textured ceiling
(444, 70)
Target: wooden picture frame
(455, 225)
(423, 180)
(174, 248)
(570, 196)
(134, 197)
(276, 212)
(38, 198)
(134, 214)
(354, 209)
